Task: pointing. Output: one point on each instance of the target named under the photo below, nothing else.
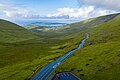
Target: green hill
(75, 27)
(10, 32)
(100, 57)
(24, 52)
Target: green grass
(27, 51)
(23, 52)
(101, 59)
(10, 32)
(30, 54)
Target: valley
(23, 51)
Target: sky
(72, 9)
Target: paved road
(65, 76)
(47, 70)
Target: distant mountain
(79, 26)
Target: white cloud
(85, 12)
(107, 4)
(82, 13)
(10, 11)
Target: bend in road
(47, 70)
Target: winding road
(47, 70)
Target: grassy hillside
(74, 27)
(22, 52)
(100, 57)
(10, 32)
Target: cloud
(11, 11)
(106, 4)
(84, 12)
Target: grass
(23, 52)
(21, 59)
(99, 60)
(27, 51)
(10, 32)
(21, 71)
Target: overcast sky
(75, 9)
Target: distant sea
(47, 22)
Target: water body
(47, 22)
(47, 70)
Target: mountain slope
(100, 57)
(23, 52)
(74, 27)
(10, 32)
